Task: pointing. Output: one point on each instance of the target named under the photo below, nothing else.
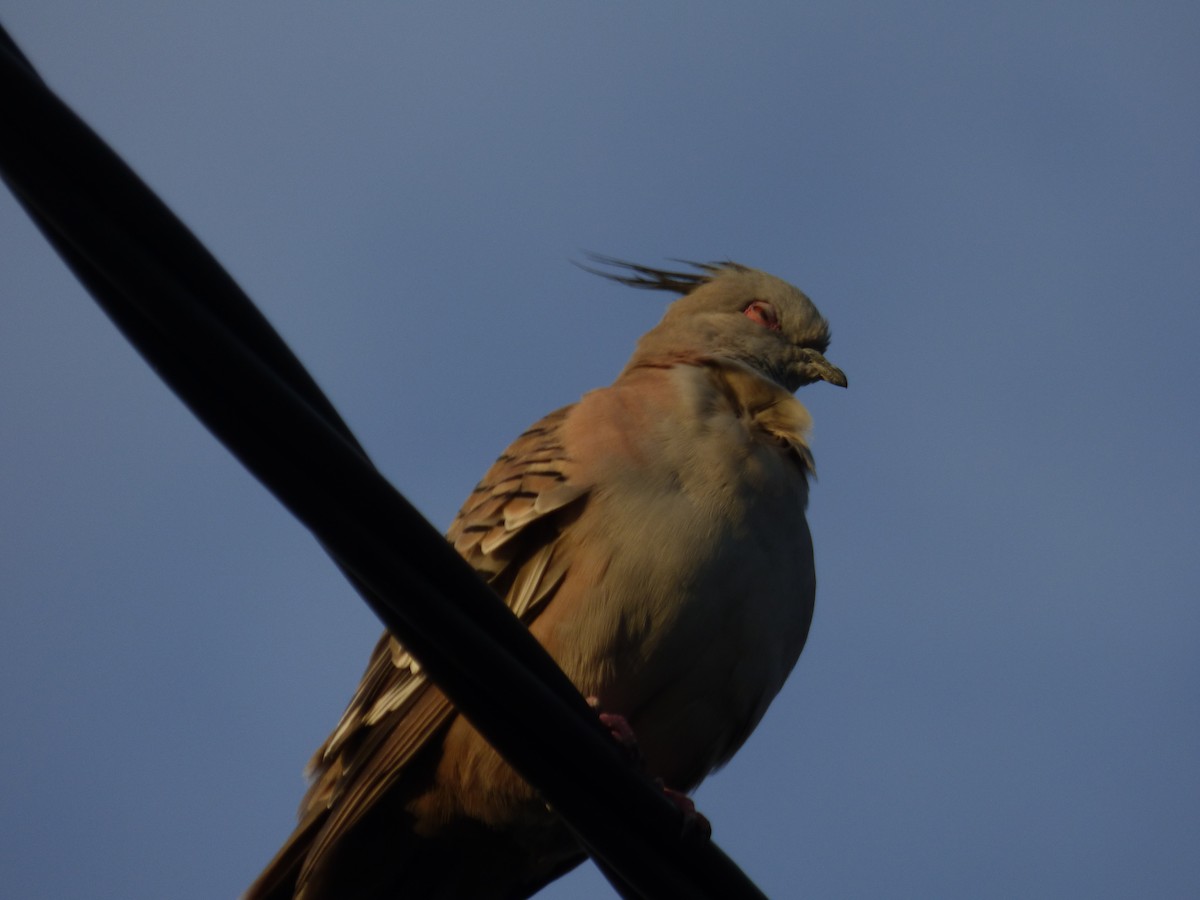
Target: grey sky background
(996, 206)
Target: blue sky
(996, 206)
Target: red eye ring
(763, 313)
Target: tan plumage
(652, 536)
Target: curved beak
(823, 370)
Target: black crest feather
(652, 279)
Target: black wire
(204, 337)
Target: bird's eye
(763, 313)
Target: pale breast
(696, 559)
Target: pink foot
(695, 825)
(621, 731)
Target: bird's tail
(384, 858)
(279, 879)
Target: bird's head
(730, 311)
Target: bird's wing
(508, 530)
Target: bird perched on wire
(652, 536)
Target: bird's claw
(696, 826)
(621, 731)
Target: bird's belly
(699, 617)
